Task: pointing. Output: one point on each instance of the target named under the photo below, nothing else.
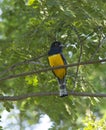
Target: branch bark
(80, 55)
(21, 63)
(100, 44)
(51, 68)
(42, 94)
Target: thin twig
(52, 68)
(42, 94)
(21, 63)
(101, 42)
(80, 56)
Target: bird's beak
(62, 46)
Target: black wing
(65, 62)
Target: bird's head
(57, 45)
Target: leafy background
(28, 27)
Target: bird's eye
(56, 44)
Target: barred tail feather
(63, 91)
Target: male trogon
(56, 58)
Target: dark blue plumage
(56, 58)
(55, 48)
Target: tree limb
(80, 55)
(51, 68)
(101, 42)
(21, 63)
(42, 94)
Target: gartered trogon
(56, 58)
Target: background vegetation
(27, 29)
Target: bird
(56, 58)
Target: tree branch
(21, 63)
(80, 55)
(51, 68)
(101, 42)
(40, 94)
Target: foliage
(92, 122)
(27, 30)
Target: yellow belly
(56, 60)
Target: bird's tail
(63, 92)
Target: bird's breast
(57, 60)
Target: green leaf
(31, 80)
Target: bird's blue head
(56, 47)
